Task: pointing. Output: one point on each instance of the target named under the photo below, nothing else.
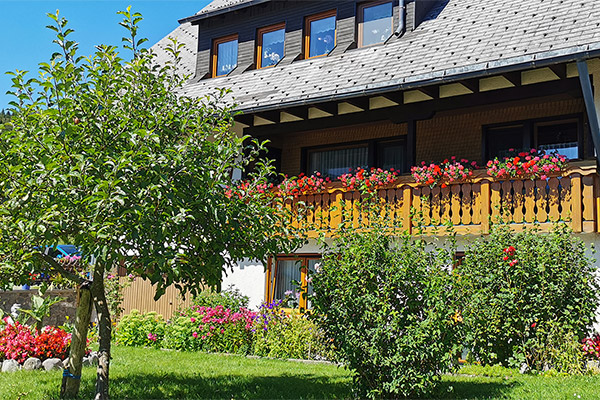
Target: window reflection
(272, 48)
(322, 36)
(377, 24)
(227, 55)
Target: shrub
(229, 298)
(213, 329)
(137, 329)
(551, 346)
(281, 335)
(512, 282)
(387, 305)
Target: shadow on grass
(481, 388)
(179, 386)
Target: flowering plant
(368, 180)
(214, 329)
(19, 342)
(534, 164)
(302, 185)
(591, 347)
(244, 189)
(446, 172)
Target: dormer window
(319, 34)
(224, 55)
(376, 22)
(270, 45)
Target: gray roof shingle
(458, 36)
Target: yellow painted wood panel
(140, 296)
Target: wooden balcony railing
(572, 197)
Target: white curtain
(334, 163)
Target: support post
(590, 103)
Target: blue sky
(25, 42)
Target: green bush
(290, 336)
(137, 329)
(512, 282)
(388, 306)
(229, 298)
(551, 347)
(212, 329)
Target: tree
(105, 153)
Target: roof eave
(197, 17)
(438, 78)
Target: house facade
(336, 85)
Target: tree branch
(56, 265)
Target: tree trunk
(72, 375)
(104, 330)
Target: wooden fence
(140, 296)
(572, 197)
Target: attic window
(224, 55)
(270, 45)
(319, 34)
(376, 22)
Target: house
(390, 83)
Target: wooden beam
(246, 119)
(396, 97)
(419, 111)
(360, 102)
(471, 84)
(272, 116)
(298, 112)
(431, 91)
(329, 108)
(513, 77)
(559, 70)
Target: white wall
(249, 278)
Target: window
(376, 23)
(289, 274)
(391, 154)
(501, 139)
(224, 55)
(319, 34)
(334, 161)
(270, 46)
(562, 136)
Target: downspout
(401, 18)
(590, 106)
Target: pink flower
(195, 335)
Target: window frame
(271, 275)
(372, 148)
(214, 59)
(360, 20)
(315, 17)
(530, 132)
(259, 41)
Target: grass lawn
(154, 374)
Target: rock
(10, 366)
(524, 368)
(32, 363)
(593, 366)
(52, 363)
(91, 360)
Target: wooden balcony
(572, 197)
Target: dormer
(245, 35)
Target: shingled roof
(221, 6)
(459, 38)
